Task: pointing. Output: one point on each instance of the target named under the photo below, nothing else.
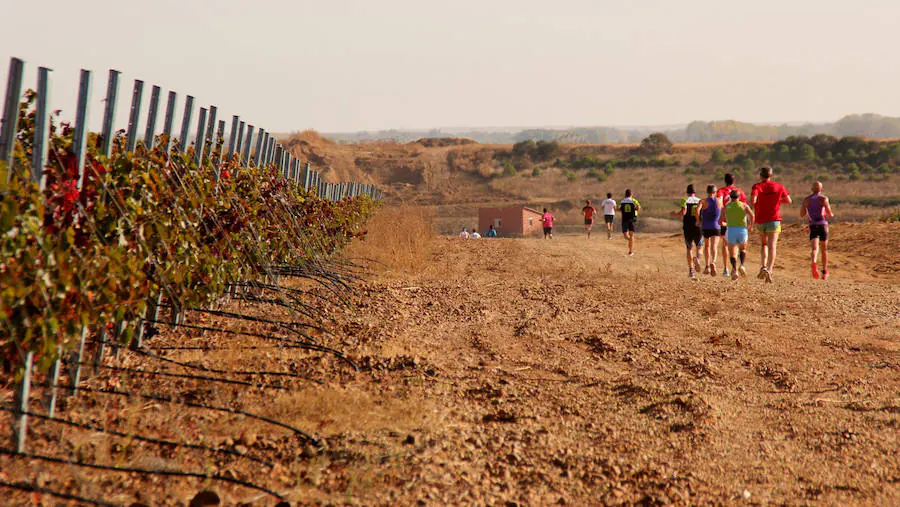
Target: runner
(589, 212)
(710, 212)
(736, 217)
(474, 234)
(464, 234)
(724, 195)
(547, 220)
(817, 209)
(629, 207)
(768, 196)
(690, 213)
(609, 213)
(491, 232)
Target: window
(530, 221)
(497, 223)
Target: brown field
(524, 372)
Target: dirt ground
(532, 372)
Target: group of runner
(725, 216)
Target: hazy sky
(344, 65)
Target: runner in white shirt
(474, 234)
(609, 214)
(464, 234)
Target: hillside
(866, 125)
(457, 176)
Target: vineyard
(108, 238)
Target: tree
(524, 148)
(656, 144)
(546, 150)
(807, 152)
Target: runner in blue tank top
(710, 213)
(817, 209)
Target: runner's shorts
(588, 221)
(693, 237)
(548, 230)
(766, 227)
(711, 233)
(723, 231)
(737, 235)
(628, 225)
(609, 218)
(818, 231)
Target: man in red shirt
(724, 193)
(589, 212)
(547, 221)
(768, 196)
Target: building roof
(525, 208)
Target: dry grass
(399, 241)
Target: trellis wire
(267, 153)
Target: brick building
(511, 221)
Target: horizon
(353, 66)
(622, 127)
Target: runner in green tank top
(735, 217)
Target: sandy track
(564, 370)
(539, 372)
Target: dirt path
(565, 371)
(539, 372)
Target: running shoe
(692, 274)
(725, 272)
(696, 263)
(768, 277)
(706, 270)
(742, 271)
(824, 274)
(815, 271)
(762, 273)
(712, 269)
(630, 253)
(734, 275)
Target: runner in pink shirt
(547, 220)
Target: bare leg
(724, 253)
(630, 237)
(714, 244)
(706, 247)
(824, 255)
(763, 249)
(813, 249)
(772, 240)
(690, 260)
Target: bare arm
(828, 212)
(786, 199)
(803, 208)
(750, 213)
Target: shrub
(593, 173)
(509, 169)
(718, 156)
(571, 176)
(601, 177)
(535, 172)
